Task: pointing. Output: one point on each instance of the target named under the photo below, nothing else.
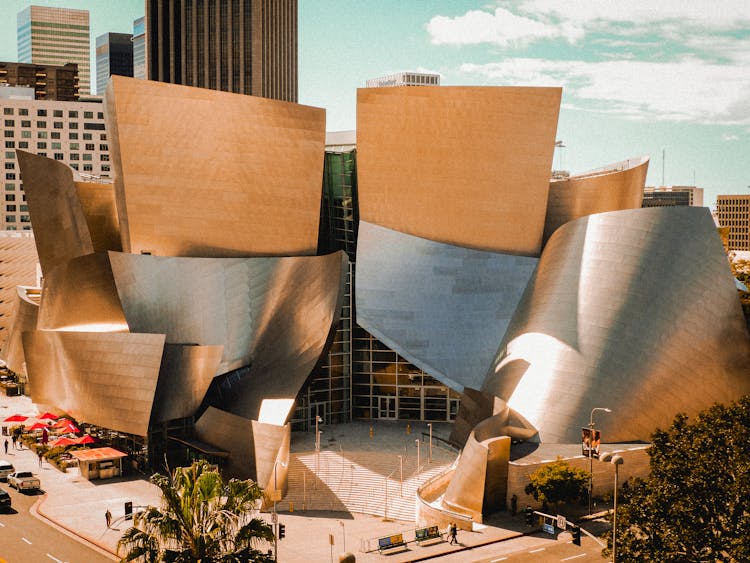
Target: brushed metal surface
(442, 307)
(634, 310)
(100, 211)
(185, 374)
(18, 266)
(466, 166)
(205, 173)
(610, 188)
(24, 318)
(106, 379)
(60, 228)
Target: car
(24, 481)
(6, 468)
(4, 499)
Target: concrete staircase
(356, 482)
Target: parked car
(4, 500)
(6, 468)
(24, 481)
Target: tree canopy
(557, 482)
(202, 519)
(694, 504)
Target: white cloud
(730, 137)
(685, 90)
(501, 27)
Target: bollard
(408, 428)
(371, 432)
(291, 506)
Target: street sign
(562, 523)
(549, 528)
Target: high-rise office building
(665, 196)
(405, 79)
(243, 46)
(733, 211)
(56, 36)
(47, 81)
(114, 55)
(139, 48)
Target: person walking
(14, 441)
(453, 533)
(6, 446)
(39, 453)
(108, 518)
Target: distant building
(139, 48)
(46, 82)
(114, 55)
(56, 36)
(666, 196)
(733, 211)
(405, 79)
(248, 47)
(71, 132)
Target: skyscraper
(114, 55)
(139, 48)
(56, 36)
(243, 46)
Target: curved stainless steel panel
(107, 379)
(18, 266)
(185, 374)
(24, 318)
(611, 188)
(442, 307)
(80, 295)
(241, 177)
(100, 210)
(465, 166)
(60, 227)
(271, 313)
(633, 310)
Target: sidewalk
(78, 506)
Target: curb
(36, 510)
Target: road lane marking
(27, 541)
(574, 557)
(54, 558)
(537, 550)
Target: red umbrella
(48, 416)
(85, 439)
(37, 426)
(62, 422)
(72, 428)
(16, 418)
(62, 442)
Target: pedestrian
(108, 517)
(513, 505)
(39, 453)
(6, 446)
(14, 441)
(453, 533)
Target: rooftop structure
(405, 79)
(47, 82)
(733, 211)
(56, 36)
(114, 55)
(662, 196)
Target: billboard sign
(590, 442)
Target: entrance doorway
(387, 407)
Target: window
(105, 167)
(103, 147)
(10, 144)
(41, 145)
(57, 113)
(59, 156)
(10, 122)
(88, 115)
(86, 156)
(74, 146)
(26, 134)
(58, 124)
(42, 153)
(73, 114)
(105, 158)
(74, 156)
(100, 115)
(41, 113)
(25, 219)
(10, 154)
(90, 146)
(103, 137)
(23, 111)
(10, 165)
(10, 187)
(56, 146)
(26, 123)
(73, 125)
(73, 136)
(87, 167)
(55, 134)
(24, 208)
(41, 124)
(10, 197)
(11, 219)
(74, 166)
(8, 133)
(7, 111)
(23, 144)
(10, 208)
(94, 126)
(39, 134)
(87, 136)
(10, 176)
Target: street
(26, 539)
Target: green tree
(202, 519)
(693, 506)
(557, 482)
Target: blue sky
(639, 77)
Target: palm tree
(202, 519)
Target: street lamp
(317, 433)
(417, 442)
(617, 461)
(591, 451)
(343, 533)
(429, 424)
(401, 475)
(276, 497)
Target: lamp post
(401, 475)
(343, 533)
(591, 452)
(617, 461)
(317, 433)
(417, 442)
(429, 424)
(275, 516)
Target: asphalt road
(26, 539)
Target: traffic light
(528, 514)
(282, 533)
(576, 531)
